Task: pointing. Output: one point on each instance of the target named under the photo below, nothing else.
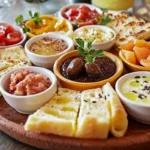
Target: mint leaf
(89, 45)
(90, 54)
(105, 19)
(80, 42)
(89, 59)
(19, 19)
(81, 51)
(97, 53)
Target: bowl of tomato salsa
(81, 14)
(11, 35)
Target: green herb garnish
(89, 53)
(36, 17)
(105, 19)
(25, 29)
(19, 19)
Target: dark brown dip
(107, 66)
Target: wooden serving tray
(11, 122)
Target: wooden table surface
(8, 15)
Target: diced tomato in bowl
(10, 35)
(81, 14)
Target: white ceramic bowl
(77, 5)
(47, 61)
(102, 45)
(17, 28)
(28, 104)
(138, 111)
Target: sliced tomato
(13, 38)
(9, 29)
(85, 8)
(71, 12)
(81, 17)
(2, 34)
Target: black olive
(92, 69)
(75, 67)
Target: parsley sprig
(90, 54)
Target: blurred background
(9, 9)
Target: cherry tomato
(2, 34)
(13, 38)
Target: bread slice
(128, 27)
(59, 116)
(94, 118)
(118, 115)
(12, 58)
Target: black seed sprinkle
(105, 97)
(137, 81)
(100, 96)
(85, 101)
(134, 91)
(144, 76)
(137, 77)
(93, 101)
(145, 81)
(142, 96)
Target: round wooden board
(11, 122)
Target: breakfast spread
(48, 46)
(80, 114)
(83, 104)
(26, 82)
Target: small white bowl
(17, 28)
(102, 45)
(47, 61)
(30, 103)
(138, 111)
(77, 5)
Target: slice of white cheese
(94, 118)
(59, 116)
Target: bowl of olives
(87, 68)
